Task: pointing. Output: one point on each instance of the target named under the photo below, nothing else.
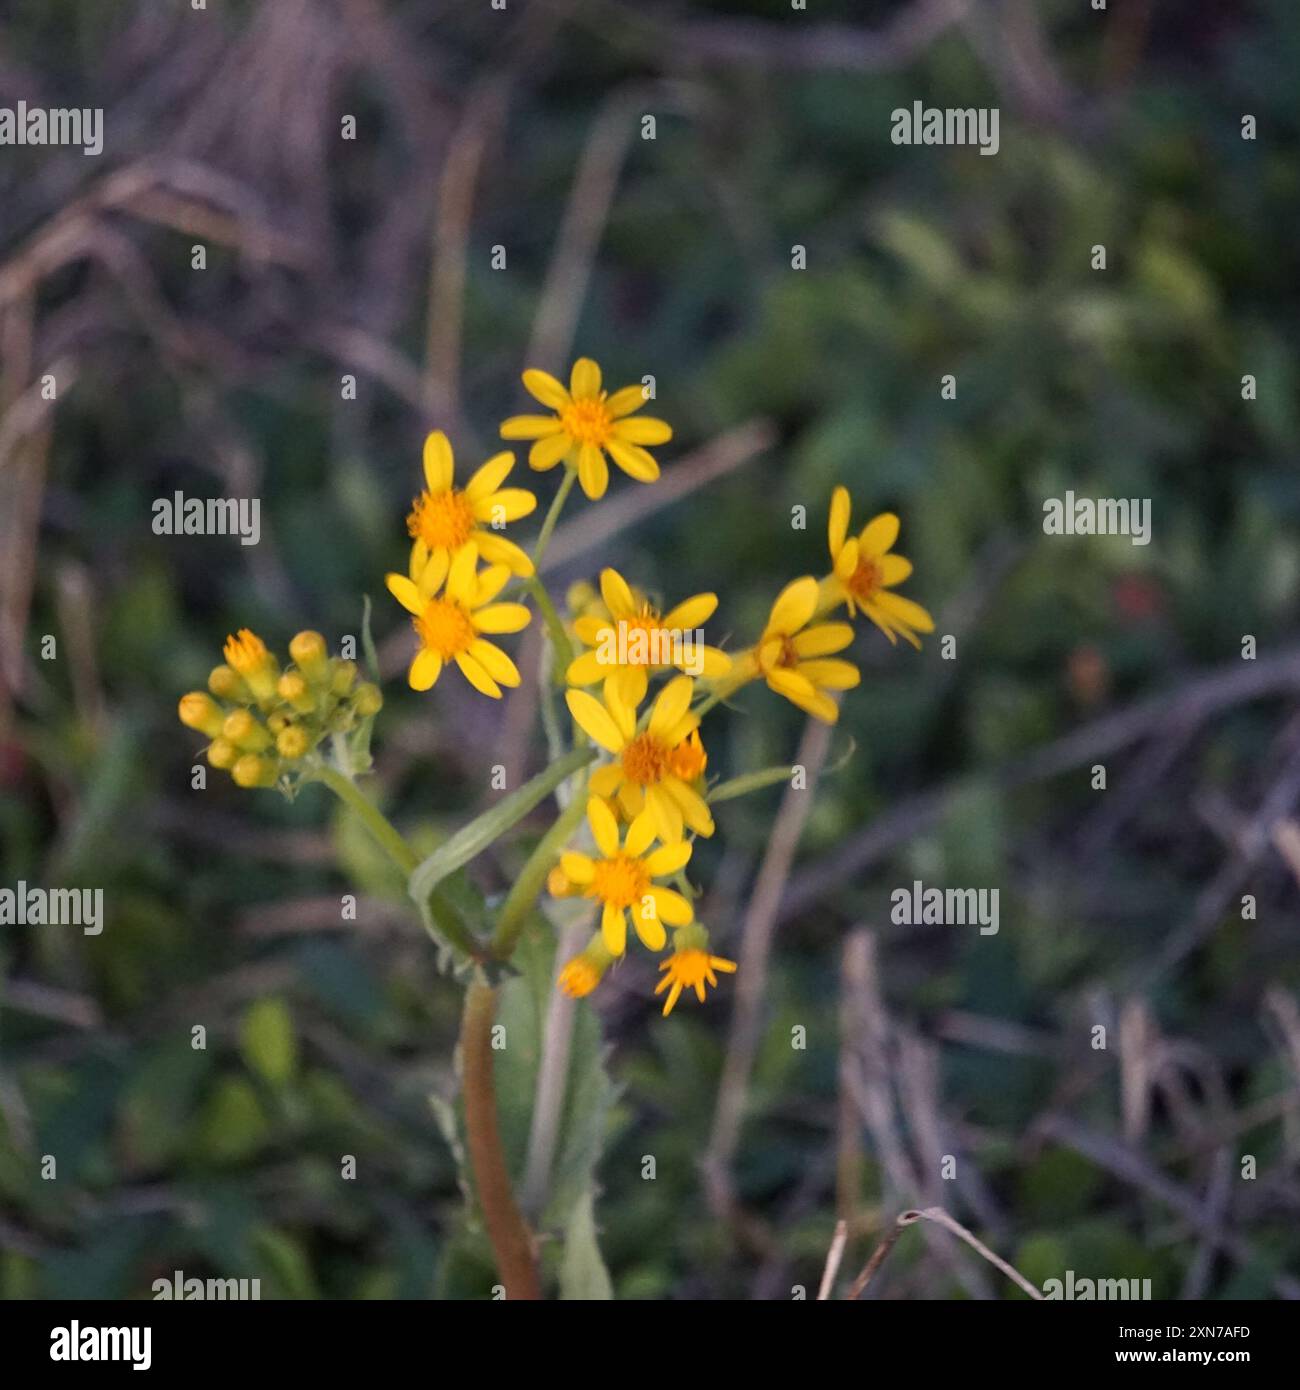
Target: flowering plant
(631, 781)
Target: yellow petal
(643, 430)
(673, 702)
(584, 380)
(578, 868)
(793, 686)
(838, 527)
(489, 476)
(691, 612)
(434, 572)
(640, 833)
(604, 827)
(633, 460)
(894, 569)
(649, 928)
(507, 554)
(495, 662)
(502, 617)
(530, 426)
(613, 929)
(425, 670)
(586, 669)
(461, 583)
(627, 686)
(694, 809)
(544, 387)
(665, 813)
(794, 606)
(908, 612)
(490, 583)
(546, 453)
(714, 663)
(594, 720)
(831, 674)
(625, 401)
(671, 907)
(405, 593)
(667, 859)
(878, 535)
(477, 676)
(438, 464)
(846, 561)
(506, 504)
(605, 781)
(593, 471)
(617, 594)
(823, 639)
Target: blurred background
(372, 258)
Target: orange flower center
(865, 581)
(777, 651)
(645, 760)
(445, 627)
(620, 881)
(444, 521)
(688, 760)
(587, 421)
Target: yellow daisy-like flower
(643, 774)
(690, 966)
(445, 519)
(451, 626)
(623, 878)
(863, 572)
(631, 640)
(588, 424)
(796, 659)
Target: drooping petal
(605, 781)
(578, 868)
(906, 611)
(613, 929)
(791, 684)
(894, 569)
(640, 833)
(506, 504)
(665, 812)
(614, 589)
(672, 703)
(475, 674)
(831, 674)
(633, 460)
(499, 551)
(672, 907)
(648, 926)
(694, 808)
(593, 472)
(425, 670)
(434, 572)
(586, 669)
(495, 662)
(490, 583)
(667, 859)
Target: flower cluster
(264, 721)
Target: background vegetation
(479, 128)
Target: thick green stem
(511, 1242)
(519, 901)
(371, 817)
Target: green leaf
(266, 1039)
(582, 1270)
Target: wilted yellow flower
(451, 626)
(795, 658)
(444, 519)
(588, 424)
(623, 877)
(583, 973)
(643, 774)
(630, 639)
(690, 966)
(863, 572)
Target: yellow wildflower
(247, 654)
(583, 973)
(863, 572)
(690, 966)
(623, 877)
(631, 640)
(444, 519)
(588, 424)
(451, 627)
(794, 658)
(643, 774)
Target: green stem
(528, 886)
(553, 515)
(371, 817)
(554, 627)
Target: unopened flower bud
(293, 688)
(252, 771)
(278, 720)
(583, 973)
(345, 672)
(201, 712)
(222, 754)
(227, 684)
(368, 700)
(293, 742)
(247, 653)
(243, 730)
(308, 650)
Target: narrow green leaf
(582, 1270)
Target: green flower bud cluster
(262, 720)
